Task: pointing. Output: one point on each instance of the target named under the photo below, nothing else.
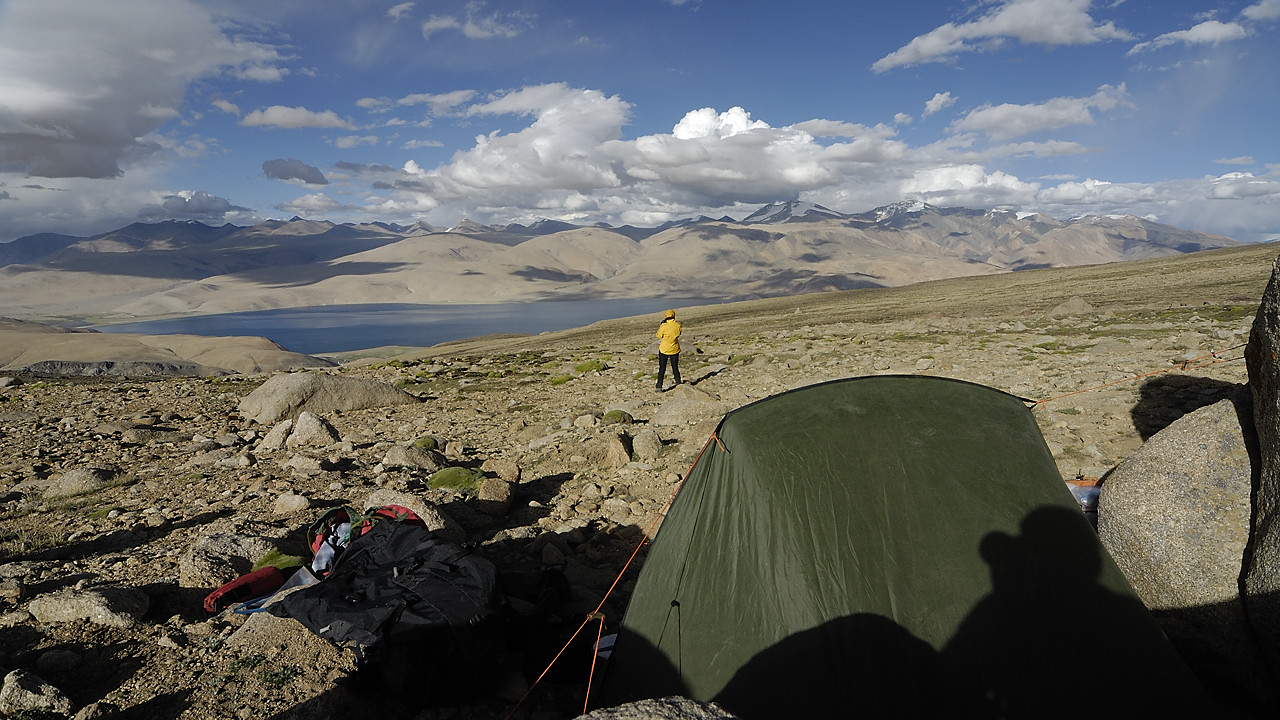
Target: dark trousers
(663, 359)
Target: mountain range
(784, 248)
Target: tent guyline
(598, 614)
(1191, 364)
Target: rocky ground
(1111, 353)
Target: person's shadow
(1053, 639)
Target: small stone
(12, 591)
(290, 503)
(58, 661)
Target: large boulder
(288, 395)
(1175, 517)
(1175, 513)
(1262, 573)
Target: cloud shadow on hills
(791, 282)
(303, 275)
(714, 232)
(262, 271)
(532, 273)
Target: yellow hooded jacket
(669, 333)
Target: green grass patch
(23, 542)
(248, 662)
(590, 366)
(280, 677)
(275, 558)
(615, 417)
(463, 480)
(559, 379)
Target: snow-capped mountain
(896, 210)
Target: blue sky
(634, 111)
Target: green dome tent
(889, 546)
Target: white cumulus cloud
(1008, 120)
(438, 103)
(706, 122)
(226, 106)
(1264, 11)
(939, 101)
(295, 117)
(1032, 22)
(961, 184)
(571, 158)
(1209, 32)
(1233, 186)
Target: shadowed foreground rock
(668, 708)
(1262, 570)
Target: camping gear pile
(429, 620)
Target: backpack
(423, 614)
(330, 534)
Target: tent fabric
(888, 546)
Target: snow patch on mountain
(793, 211)
(898, 209)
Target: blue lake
(342, 328)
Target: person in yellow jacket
(669, 348)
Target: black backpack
(424, 615)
